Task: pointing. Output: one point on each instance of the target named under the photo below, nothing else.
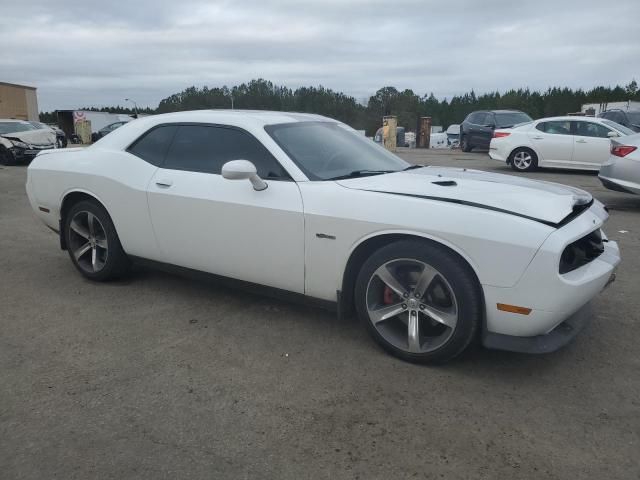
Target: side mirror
(612, 135)
(243, 170)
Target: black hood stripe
(577, 209)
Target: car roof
(497, 111)
(264, 117)
(13, 120)
(572, 118)
(251, 120)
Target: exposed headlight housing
(19, 144)
(582, 251)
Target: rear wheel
(92, 242)
(523, 160)
(419, 301)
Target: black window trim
(288, 177)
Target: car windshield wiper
(361, 173)
(412, 167)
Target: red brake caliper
(387, 296)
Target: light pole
(230, 95)
(135, 105)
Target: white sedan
(556, 142)
(432, 259)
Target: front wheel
(6, 157)
(92, 242)
(419, 301)
(523, 160)
(464, 144)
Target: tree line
(408, 106)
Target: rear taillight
(622, 150)
(500, 134)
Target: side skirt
(263, 290)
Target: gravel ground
(165, 377)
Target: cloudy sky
(82, 53)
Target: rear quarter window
(152, 146)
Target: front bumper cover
(550, 342)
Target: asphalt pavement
(161, 376)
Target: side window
(590, 129)
(489, 119)
(607, 115)
(152, 146)
(555, 127)
(620, 118)
(480, 118)
(204, 148)
(473, 118)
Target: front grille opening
(581, 252)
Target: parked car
(622, 171)
(61, 138)
(303, 204)
(20, 141)
(556, 142)
(628, 118)
(438, 140)
(400, 137)
(453, 135)
(108, 129)
(477, 129)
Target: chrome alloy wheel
(522, 160)
(411, 305)
(88, 241)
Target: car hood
(33, 137)
(546, 202)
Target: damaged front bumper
(28, 152)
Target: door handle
(581, 141)
(164, 183)
(537, 138)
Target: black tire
(114, 262)
(464, 144)
(6, 157)
(459, 277)
(518, 162)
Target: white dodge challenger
(431, 259)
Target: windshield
(634, 118)
(621, 128)
(13, 127)
(510, 119)
(40, 126)
(324, 150)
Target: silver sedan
(622, 171)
